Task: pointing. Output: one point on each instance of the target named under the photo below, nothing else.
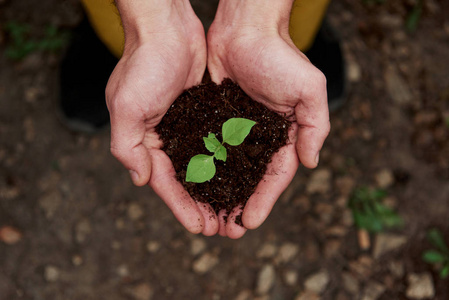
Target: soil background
(85, 232)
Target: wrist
(251, 13)
(143, 18)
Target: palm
(139, 93)
(274, 72)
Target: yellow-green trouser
(305, 20)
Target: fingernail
(317, 158)
(134, 175)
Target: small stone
(317, 282)
(308, 295)
(116, 245)
(244, 295)
(325, 212)
(287, 252)
(291, 277)
(268, 250)
(265, 280)
(51, 274)
(120, 224)
(397, 87)
(319, 182)
(32, 93)
(50, 203)
(82, 230)
(142, 291)
(373, 290)
(397, 269)
(197, 246)
(77, 260)
(336, 231)
(385, 178)
(135, 212)
(420, 286)
(354, 71)
(362, 266)
(386, 242)
(390, 20)
(205, 263)
(363, 239)
(10, 235)
(123, 271)
(350, 283)
(9, 192)
(153, 246)
(332, 248)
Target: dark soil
(202, 110)
(86, 233)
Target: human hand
(165, 53)
(249, 43)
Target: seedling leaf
(413, 18)
(432, 256)
(235, 130)
(201, 168)
(221, 153)
(369, 213)
(437, 240)
(211, 142)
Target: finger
(233, 230)
(312, 116)
(172, 192)
(210, 219)
(280, 173)
(222, 217)
(127, 134)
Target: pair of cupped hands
(166, 52)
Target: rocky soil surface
(72, 225)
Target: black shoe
(326, 55)
(84, 73)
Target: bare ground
(83, 231)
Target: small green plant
(369, 213)
(21, 44)
(201, 167)
(414, 16)
(438, 256)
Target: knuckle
(117, 153)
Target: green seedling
(438, 256)
(201, 167)
(414, 16)
(369, 213)
(21, 44)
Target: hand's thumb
(137, 160)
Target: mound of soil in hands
(202, 110)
